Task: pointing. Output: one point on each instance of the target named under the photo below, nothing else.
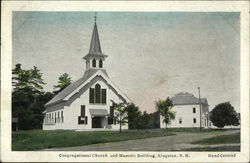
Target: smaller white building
(187, 112)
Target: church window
(103, 96)
(62, 115)
(97, 93)
(94, 63)
(194, 110)
(91, 95)
(111, 115)
(82, 110)
(58, 115)
(100, 63)
(86, 120)
(194, 120)
(111, 111)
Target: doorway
(97, 122)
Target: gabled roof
(65, 92)
(185, 98)
(74, 87)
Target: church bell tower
(95, 58)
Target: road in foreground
(166, 143)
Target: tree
(164, 108)
(28, 97)
(63, 82)
(121, 115)
(224, 115)
(133, 116)
(27, 80)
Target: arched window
(100, 63)
(94, 63)
(97, 93)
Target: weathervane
(95, 16)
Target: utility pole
(200, 105)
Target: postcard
(116, 81)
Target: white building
(86, 103)
(187, 111)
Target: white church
(189, 112)
(86, 104)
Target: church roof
(185, 98)
(61, 95)
(95, 46)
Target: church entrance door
(97, 122)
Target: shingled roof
(185, 98)
(61, 95)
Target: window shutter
(82, 110)
(81, 120)
(62, 115)
(103, 96)
(86, 120)
(111, 111)
(110, 121)
(91, 95)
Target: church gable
(98, 91)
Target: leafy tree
(164, 108)
(63, 82)
(27, 80)
(28, 97)
(156, 119)
(133, 116)
(121, 115)
(224, 115)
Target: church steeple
(95, 58)
(95, 46)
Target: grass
(196, 130)
(219, 148)
(222, 139)
(39, 139)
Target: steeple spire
(95, 58)
(95, 46)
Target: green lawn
(39, 139)
(222, 139)
(196, 130)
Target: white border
(191, 6)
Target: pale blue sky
(151, 55)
